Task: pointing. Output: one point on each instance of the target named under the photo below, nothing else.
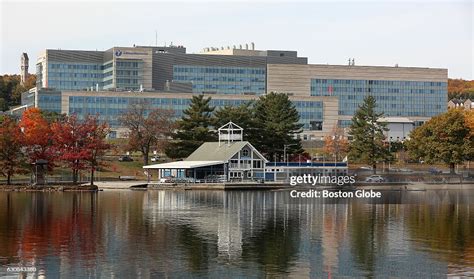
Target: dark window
(316, 125)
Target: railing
(301, 164)
(242, 166)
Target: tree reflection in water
(275, 246)
(226, 234)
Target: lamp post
(284, 151)
(390, 153)
(324, 161)
(286, 159)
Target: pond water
(153, 234)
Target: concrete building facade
(105, 82)
(416, 93)
(25, 62)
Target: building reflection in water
(238, 233)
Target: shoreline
(49, 188)
(100, 186)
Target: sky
(435, 34)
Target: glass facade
(110, 108)
(311, 114)
(108, 75)
(81, 76)
(344, 123)
(39, 75)
(74, 76)
(129, 74)
(50, 102)
(222, 80)
(394, 98)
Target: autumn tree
(69, 139)
(95, 144)
(147, 127)
(37, 137)
(445, 138)
(52, 116)
(336, 143)
(11, 89)
(460, 89)
(470, 121)
(11, 157)
(193, 129)
(367, 145)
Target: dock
(117, 185)
(123, 185)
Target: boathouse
(229, 159)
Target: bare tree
(147, 127)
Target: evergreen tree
(367, 145)
(193, 129)
(277, 119)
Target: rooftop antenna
(156, 38)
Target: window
(257, 164)
(245, 152)
(316, 125)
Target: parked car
(435, 171)
(125, 158)
(375, 178)
(405, 170)
(366, 168)
(156, 158)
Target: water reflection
(222, 234)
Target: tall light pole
(284, 151)
(390, 153)
(286, 159)
(324, 163)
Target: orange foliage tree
(469, 119)
(37, 137)
(10, 148)
(80, 144)
(95, 143)
(336, 144)
(461, 89)
(69, 137)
